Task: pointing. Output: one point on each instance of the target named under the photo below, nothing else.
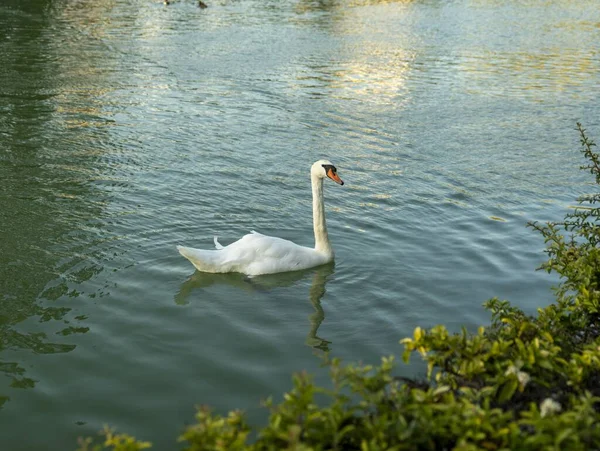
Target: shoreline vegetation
(520, 383)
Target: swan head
(325, 168)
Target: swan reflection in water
(200, 280)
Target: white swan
(256, 254)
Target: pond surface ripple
(128, 127)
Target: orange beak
(333, 176)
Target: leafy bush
(522, 383)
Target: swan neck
(322, 243)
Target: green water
(127, 127)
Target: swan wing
(255, 254)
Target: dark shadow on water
(320, 275)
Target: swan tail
(203, 260)
(217, 244)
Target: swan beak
(333, 176)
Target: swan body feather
(255, 254)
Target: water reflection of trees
(45, 197)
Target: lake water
(128, 127)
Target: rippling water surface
(127, 127)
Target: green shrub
(522, 383)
